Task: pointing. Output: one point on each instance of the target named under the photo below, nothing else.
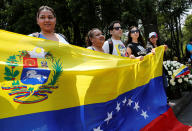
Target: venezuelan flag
(182, 71)
(50, 86)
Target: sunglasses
(117, 28)
(153, 36)
(134, 31)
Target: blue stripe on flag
(130, 111)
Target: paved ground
(186, 115)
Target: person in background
(95, 40)
(189, 51)
(114, 45)
(152, 42)
(46, 19)
(135, 44)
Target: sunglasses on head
(134, 31)
(116, 28)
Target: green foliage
(22, 54)
(170, 13)
(11, 74)
(31, 89)
(7, 72)
(187, 30)
(57, 66)
(11, 61)
(15, 83)
(8, 78)
(16, 73)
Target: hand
(132, 56)
(153, 51)
(166, 47)
(141, 58)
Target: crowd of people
(134, 47)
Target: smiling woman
(95, 40)
(46, 19)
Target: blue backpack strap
(188, 54)
(36, 34)
(110, 45)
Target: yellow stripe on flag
(87, 76)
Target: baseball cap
(152, 34)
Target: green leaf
(17, 83)
(12, 57)
(8, 78)
(16, 73)
(13, 83)
(30, 89)
(7, 72)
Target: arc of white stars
(136, 107)
(144, 114)
(97, 129)
(109, 117)
(124, 101)
(129, 102)
(118, 107)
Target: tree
(187, 29)
(171, 12)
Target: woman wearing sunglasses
(95, 40)
(136, 44)
(153, 42)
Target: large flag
(50, 86)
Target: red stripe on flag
(185, 73)
(166, 122)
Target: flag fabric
(50, 86)
(182, 71)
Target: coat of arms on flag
(34, 69)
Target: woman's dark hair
(45, 8)
(90, 35)
(140, 38)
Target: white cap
(152, 34)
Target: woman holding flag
(95, 40)
(135, 44)
(46, 19)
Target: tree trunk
(173, 38)
(177, 39)
(181, 37)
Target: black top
(149, 47)
(137, 49)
